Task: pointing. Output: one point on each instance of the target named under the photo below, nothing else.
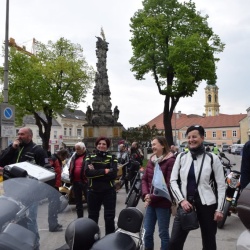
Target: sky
(138, 101)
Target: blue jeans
(162, 215)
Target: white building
(67, 129)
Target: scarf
(197, 151)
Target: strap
(19, 154)
(197, 183)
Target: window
(205, 135)
(184, 135)
(234, 133)
(70, 131)
(79, 132)
(65, 132)
(55, 134)
(224, 134)
(209, 98)
(214, 134)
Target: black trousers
(108, 200)
(79, 188)
(208, 228)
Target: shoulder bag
(189, 220)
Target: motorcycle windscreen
(17, 195)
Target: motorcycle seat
(130, 219)
(8, 210)
(117, 241)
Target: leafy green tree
(174, 43)
(56, 77)
(140, 134)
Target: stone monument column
(101, 121)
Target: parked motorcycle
(134, 193)
(18, 195)
(84, 233)
(120, 181)
(232, 178)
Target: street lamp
(6, 57)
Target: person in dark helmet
(101, 172)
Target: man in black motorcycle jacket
(101, 172)
(24, 149)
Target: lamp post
(6, 57)
(5, 110)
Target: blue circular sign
(8, 113)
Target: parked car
(224, 148)
(234, 147)
(238, 150)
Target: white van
(234, 146)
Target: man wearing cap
(77, 176)
(101, 171)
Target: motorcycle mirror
(222, 155)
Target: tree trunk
(167, 118)
(44, 128)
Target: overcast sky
(138, 101)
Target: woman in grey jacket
(208, 202)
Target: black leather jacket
(97, 179)
(27, 152)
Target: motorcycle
(232, 178)
(119, 182)
(84, 233)
(134, 193)
(21, 192)
(18, 195)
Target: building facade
(67, 129)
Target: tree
(56, 77)
(140, 134)
(174, 43)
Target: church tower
(212, 107)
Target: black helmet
(81, 234)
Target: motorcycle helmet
(81, 234)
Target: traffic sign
(8, 112)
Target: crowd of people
(93, 175)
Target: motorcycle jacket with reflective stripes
(98, 179)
